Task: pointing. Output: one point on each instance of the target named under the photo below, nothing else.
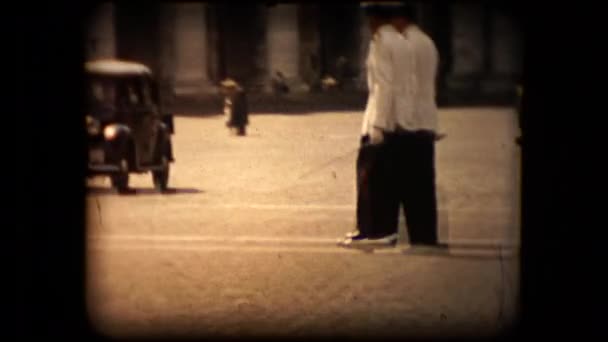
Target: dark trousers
(400, 171)
(372, 187)
(412, 165)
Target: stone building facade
(192, 46)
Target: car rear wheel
(161, 177)
(120, 180)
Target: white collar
(384, 28)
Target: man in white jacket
(411, 147)
(390, 105)
(399, 132)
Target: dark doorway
(339, 30)
(241, 43)
(138, 34)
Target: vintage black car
(127, 130)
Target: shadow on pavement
(294, 104)
(141, 191)
(447, 251)
(308, 103)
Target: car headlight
(110, 132)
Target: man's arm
(383, 86)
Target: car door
(145, 119)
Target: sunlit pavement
(244, 244)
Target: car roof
(116, 68)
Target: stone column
(259, 79)
(283, 44)
(167, 52)
(310, 45)
(101, 34)
(191, 74)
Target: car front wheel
(161, 177)
(120, 180)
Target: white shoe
(352, 233)
(383, 241)
(389, 239)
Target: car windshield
(107, 96)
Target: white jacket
(401, 73)
(426, 64)
(390, 80)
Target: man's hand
(376, 137)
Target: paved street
(245, 243)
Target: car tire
(120, 180)
(161, 177)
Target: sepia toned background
(244, 245)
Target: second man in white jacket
(390, 105)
